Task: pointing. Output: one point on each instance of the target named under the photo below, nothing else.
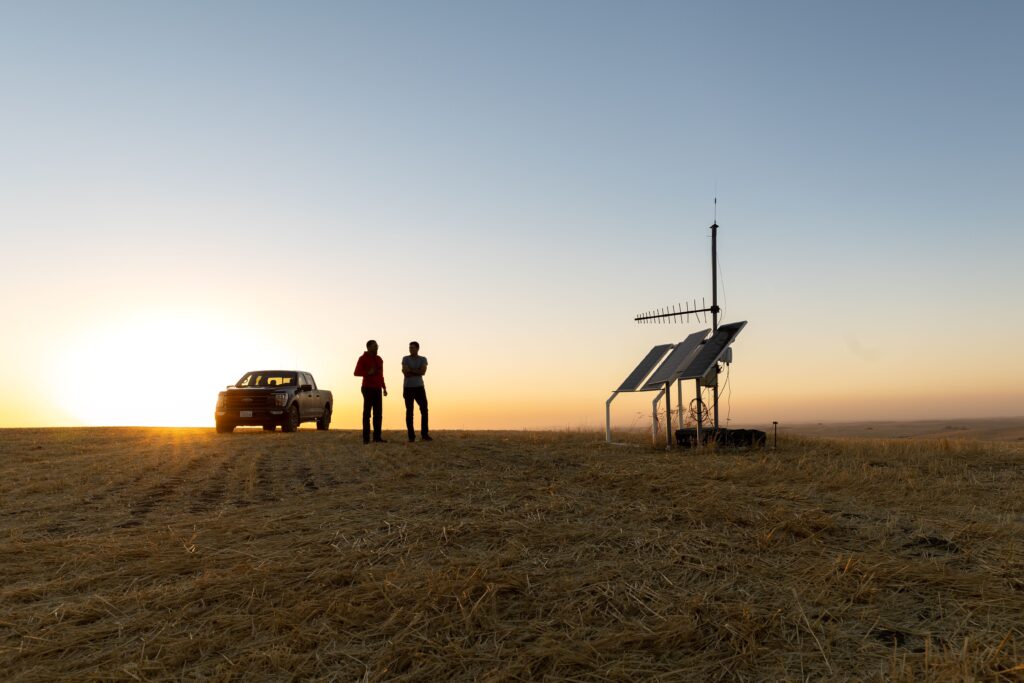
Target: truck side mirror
(306, 387)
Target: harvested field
(135, 554)
(980, 429)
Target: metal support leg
(668, 416)
(679, 404)
(654, 418)
(608, 417)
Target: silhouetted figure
(370, 367)
(414, 366)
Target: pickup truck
(269, 398)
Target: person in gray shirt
(414, 366)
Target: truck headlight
(280, 399)
(220, 401)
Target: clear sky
(190, 190)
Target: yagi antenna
(672, 314)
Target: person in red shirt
(370, 367)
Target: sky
(192, 190)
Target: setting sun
(157, 370)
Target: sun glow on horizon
(158, 370)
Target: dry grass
(134, 554)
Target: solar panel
(679, 357)
(711, 351)
(641, 371)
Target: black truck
(269, 398)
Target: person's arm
(406, 370)
(422, 371)
(360, 370)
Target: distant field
(988, 429)
(137, 554)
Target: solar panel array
(692, 358)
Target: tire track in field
(142, 507)
(103, 490)
(117, 488)
(264, 478)
(242, 483)
(305, 475)
(343, 465)
(213, 492)
(326, 473)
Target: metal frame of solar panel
(643, 369)
(681, 356)
(633, 381)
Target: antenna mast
(714, 293)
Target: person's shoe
(379, 441)
(366, 442)
(412, 437)
(426, 437)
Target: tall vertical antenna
(714, 294)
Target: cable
(705, 414)
(727, 390)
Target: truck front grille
(248, 401)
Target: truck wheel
(269, 428)
(225, 427)
(324, 423)
(291, 420)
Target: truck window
(265, 378)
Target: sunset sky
(191, 190)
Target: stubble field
(139, 554)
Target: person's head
(371, 346)
(414, 348)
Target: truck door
(305, 398)
(317, 401)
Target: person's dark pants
(419, 395)
(373, 401)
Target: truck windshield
(268, 378)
